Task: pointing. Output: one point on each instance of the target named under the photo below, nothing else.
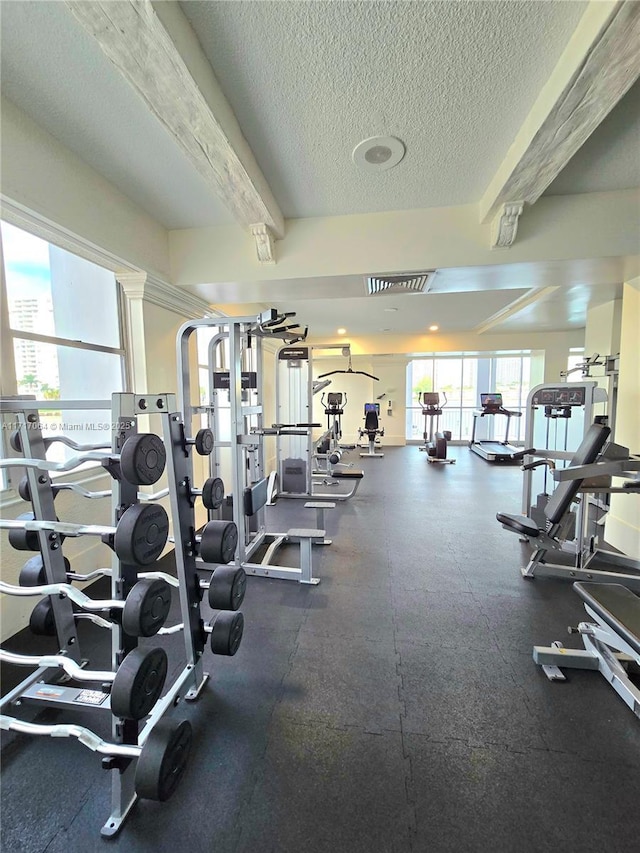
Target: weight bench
(550, 537)
(320, 507)
(611, 641)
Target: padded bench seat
(519, 523)
(617, 606)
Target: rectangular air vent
(416, 282)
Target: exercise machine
(435, 441)
(371, 429)
(299, 476)
(558, 415)
(234, 412)
(590, 470)
(491, 450)
(611, 641)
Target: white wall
(590, 225)
(623, 520)
(47, 179)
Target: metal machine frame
(297, 399)
(247, 430)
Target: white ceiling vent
(415, 282)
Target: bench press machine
(589, 460)
(611, 641)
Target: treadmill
(494, 451)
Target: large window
(460, 380)
(63, 321)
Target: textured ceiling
(610, 158)
(309, 80)
(60, 78)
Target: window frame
(45, 231)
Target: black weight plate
(15, 441)
(24, 489)
(42, 621)
(219, 541)
(141, 534)
(227, 633)
(24, 540)
(204, 442)
(143, 459)
(227, 589)
(138, 683)
(163, 759)
(146, 607)
(213, 493)
(33, 572)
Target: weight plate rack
(147, 757)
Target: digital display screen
(430, 398)
(491, 400)
(560, 396)
(372, 407)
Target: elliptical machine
(435, 441)
(330, 445)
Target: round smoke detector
(378, 153)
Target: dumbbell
(135, 686)
(203, 442)
(139, 537)
(218, 541)
(212, 492)
(141, 460)
(161, 760)
(142, 613)
(225, 631)
(227, 587)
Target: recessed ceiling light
(341, 331)
(434, 328)
(378, 153)
(390, 310)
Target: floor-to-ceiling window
(460, 379)
(63, 320)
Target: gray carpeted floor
(394, 707)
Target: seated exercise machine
(371, 428)
(576, 482)
(435, 441)
(611, 641)
(493, 451)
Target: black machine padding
(519, 523)
(371, 421)
(590, 446)
(347, 475)
(256, 496)
(617, 606)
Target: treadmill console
(562, 395)
(491, 402)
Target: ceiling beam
(515, 307)
(598, 66)
(134, 39)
